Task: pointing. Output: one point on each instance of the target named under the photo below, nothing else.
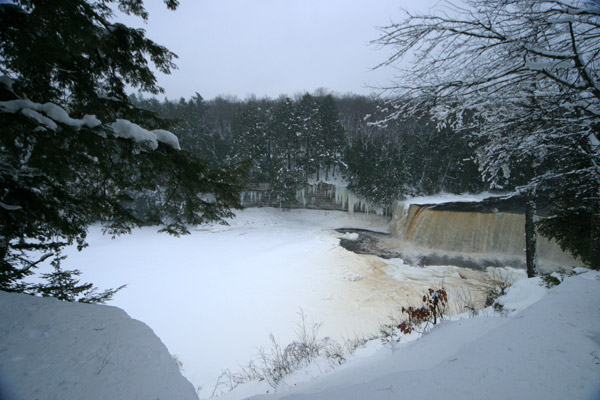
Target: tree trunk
(530, 235)
(595, 238)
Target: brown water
(367, 291)
(498, 236)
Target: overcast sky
(272, 47)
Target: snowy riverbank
(214, 297)
(546, 346)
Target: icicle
(301, 196)
(351, 201)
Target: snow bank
(56, 350)
(448, 198)
(548, 350)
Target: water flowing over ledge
(472, 231)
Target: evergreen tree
(331, 139)
(375, 170)
(70, 154)
(308, 116)
(286, 172)
(408, 156)
(252, 139)
(190, 126)
(574, 221)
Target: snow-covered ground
(213, 297)
(546, 346)
(54, 350)
(450, 198)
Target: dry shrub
(419, 319)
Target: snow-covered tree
(406, 157)
(331, 135)
(309, 124)
(72, 147)
(287, 176)
(252, 139)
(526, 72)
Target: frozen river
(213, 297)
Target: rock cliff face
(475, 229)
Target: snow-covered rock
(56, 350)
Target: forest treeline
(322, 137)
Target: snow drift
(545, 346)
(57, 350)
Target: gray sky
(272, 47)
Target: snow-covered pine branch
(71, 150)
(49, 115)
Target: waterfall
(498, 235)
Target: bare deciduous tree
(522, 78)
